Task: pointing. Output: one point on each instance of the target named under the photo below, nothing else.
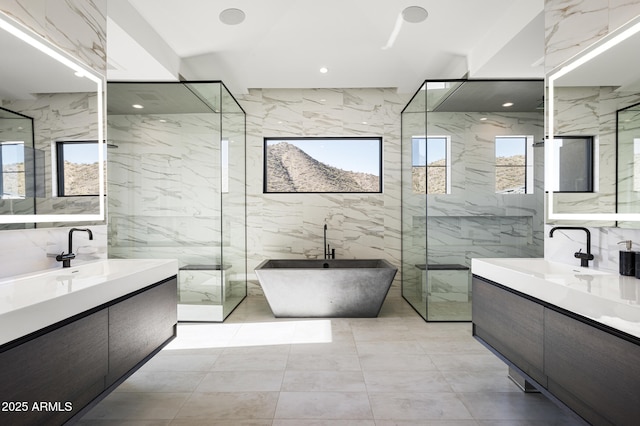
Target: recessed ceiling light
(414, 14)
(324, 70)
(483, 119)
(232, 16)
(137, 106)
(507, 104)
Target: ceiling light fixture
(137, 106)
(414, 14)
(232, 16)
(324, 70)
(507, 104)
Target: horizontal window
(323, 165)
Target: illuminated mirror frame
(607, 42)
(29, 37)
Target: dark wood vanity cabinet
(593, 370)
(521, 337)
(61, 371)
(138, 326)
(46, 379)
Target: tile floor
(256, 370)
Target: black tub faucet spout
(329, 253)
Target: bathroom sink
(102, 270)
(546, 269)
(32, 301)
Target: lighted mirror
(628, 134)
(584, 95)
(46, 97)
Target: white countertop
(605, 297)
(33, 301)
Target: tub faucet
(65, 258)
(329, 253)
(584, 257)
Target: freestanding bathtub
(331, 288)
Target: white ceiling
(283, 43)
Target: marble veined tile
(571, 26)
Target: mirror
(584, 96)
(628, 133)
(62, 100)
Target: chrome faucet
(584, 257)
(65, 258)
(329, 253)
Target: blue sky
(508, 147)
(435, 150)
(12, 153)
(357, 155)
(82, 153)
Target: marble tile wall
(79, 28)
(24, 251)
(573, 25)
(570, 27)
(164, 187)
(291, 225)
(473, 220)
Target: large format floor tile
(257, 370)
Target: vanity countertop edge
(590, 293)
(20, 319)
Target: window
(77, 168)
(324, 165)
(514, 171)
(12, 178)
(431, 171)
(575, 154)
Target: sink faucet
(65, 258)
(584, 257)
(329, 253)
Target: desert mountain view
(290, 169)
(79, 179)
(13, 180)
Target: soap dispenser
(627, 259)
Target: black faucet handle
(585, 256)
(65, 256)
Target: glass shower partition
(471, 186)
(176, 186)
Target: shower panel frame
(442, 232)
(184, 156)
